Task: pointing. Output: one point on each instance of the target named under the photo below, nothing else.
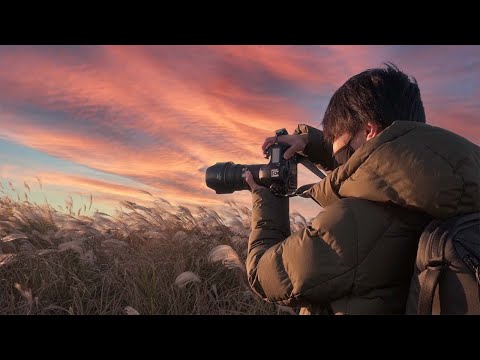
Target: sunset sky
(112, 120)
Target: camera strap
(302, 190)
(310, 166)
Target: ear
(372, 129)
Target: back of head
(381, 95)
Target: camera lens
(224, 178)
(227, 177)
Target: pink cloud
(161, 115)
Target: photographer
(389, 175)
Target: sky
(113, 121)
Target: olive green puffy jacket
(358, 254)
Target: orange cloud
(161, 115)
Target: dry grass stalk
(128, 262)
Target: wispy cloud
(159, 115)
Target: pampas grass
(14, 236)
(157, 259)
(6, 259)
(227, 256)
(131, 311)
(186, 278)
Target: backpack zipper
(474, 264)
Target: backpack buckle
(436, 264)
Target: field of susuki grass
(160, 259)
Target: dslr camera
(279, 175)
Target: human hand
(297, 143)
(251, 182)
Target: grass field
(160, 259)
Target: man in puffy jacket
(389, 175)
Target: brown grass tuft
(162, 259)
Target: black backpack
(446, 278)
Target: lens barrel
(227, 177)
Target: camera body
(279, 175)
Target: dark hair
(381, 95)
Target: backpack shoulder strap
(436, 235)
(436, 263)
(427, 290)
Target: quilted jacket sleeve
(315, 264)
